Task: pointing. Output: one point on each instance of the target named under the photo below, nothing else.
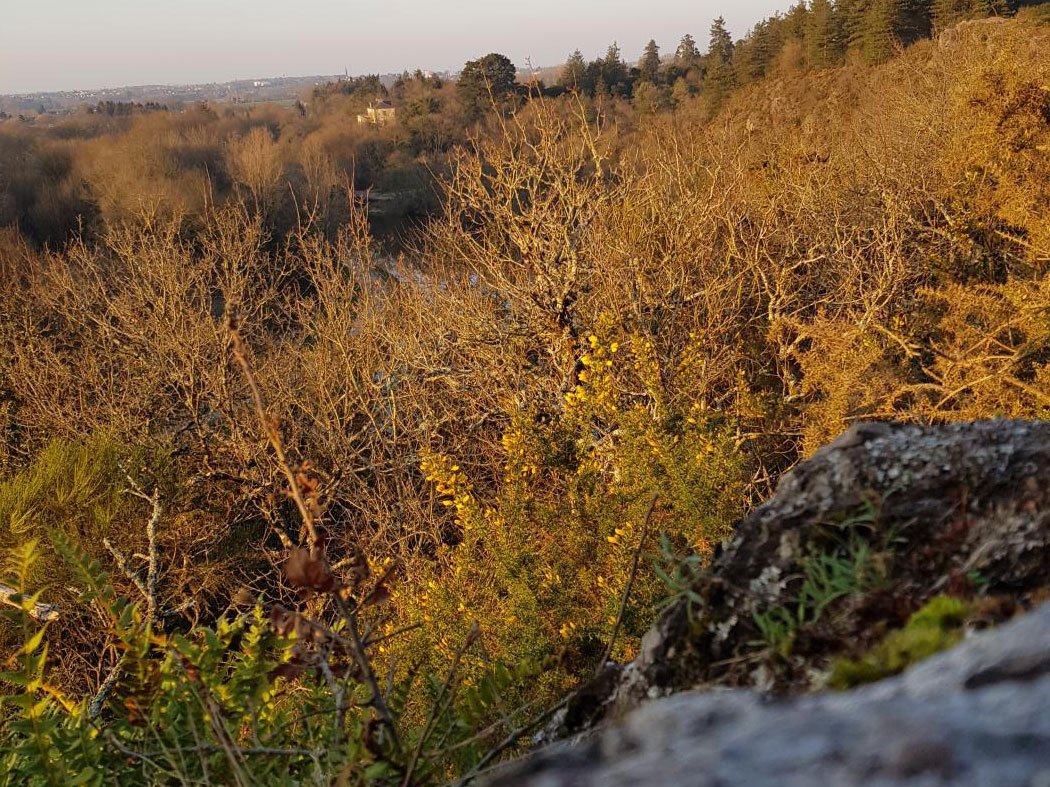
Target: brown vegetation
(599, 313)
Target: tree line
(815, 34)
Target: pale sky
(89, 44)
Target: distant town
(241, 91)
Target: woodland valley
(341, 453)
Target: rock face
(855, 540)
(976, 715)
(960, 508)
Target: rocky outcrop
(977, 715)
(855, 540)
(960, 508)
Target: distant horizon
(117, 44)
(143, 85)
(252, 78)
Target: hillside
(312, 508)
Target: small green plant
(778, 628)
(849, 569)
(678, 572)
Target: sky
(48, 45)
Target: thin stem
(630, 583)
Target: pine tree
(913, 20)
(720, 78)
(946, 13)
(687, 55)
(824, 35)
(892, 23)
(754, 56)
(649, 65)
(574, 74)
(614, 71)
(795, 21)
(877, 40)
(720, 46)
(853, 15)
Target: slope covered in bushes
(603, 315)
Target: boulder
(913, 511)
(976, 715)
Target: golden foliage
(600, 312)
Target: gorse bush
(543, 563)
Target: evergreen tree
(853, 16)
(574, 74)
(720, 46)
(892, 23)
(877, 40)
(913, 20)
(490, 79)
(824, 37)
(687, 55)
(945, 13)
(594, 82)
(614, 71)
(649, 65)
(753, 58)
(720, 78)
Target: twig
(272, 435)
(510, 740)
(339, 695)
(361, 656)
(436, 709)
(95, 706)
(153, 564)
(42, 612)
(210, 748)
(125, 566)
(630, 583)
(483, 733)
(377, 700)
(370, 641)
(147, 589)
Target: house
(379, 113)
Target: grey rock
(952, 501)
(975, 716)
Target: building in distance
(379, 113)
